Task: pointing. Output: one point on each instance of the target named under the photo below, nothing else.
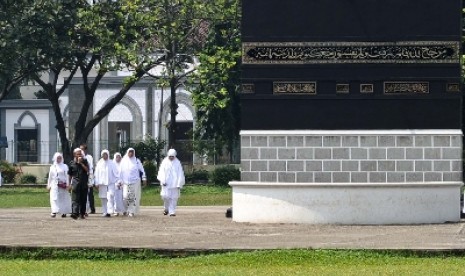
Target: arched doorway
(185, 124)
(26, 138)
(122, 126)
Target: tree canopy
(215, 84)
(57, 37)
(48, 39)
(180, 33)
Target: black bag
(140, 172)
(229, 212)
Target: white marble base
(346, 203)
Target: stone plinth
(356, 177)
(348, 203)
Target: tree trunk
(160, 114)
(61, 128)
(173, 113)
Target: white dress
(119, 204)
(131, 167)
(60, 199)
(171, 177)
(106, 175)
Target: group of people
(118, 182)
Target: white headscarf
(117, 164)
(55, 157)
(62, 164)
(58, 169)
(105, 151)
(172, 152)
(101, 155)
(128, 162)
(131, 166)
(105, 171)
(126, 156)
(171, 172)
(115, 155)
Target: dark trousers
(91, 199)
(79, 198)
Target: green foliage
(8, 171)
(48, 261)
(82, 254)
(150, 170)
(28, 179)
(41, 94)
(15, 63)
(197, 176)
(148, 150)
(14, 93)
(222, 175)
(42, 39)
(215, 84)
(179, 34)
(281, 257)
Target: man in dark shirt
(78, 169)
(90, 174)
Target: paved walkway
(207, 228)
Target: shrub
(8, 171)
(150, 171)
(222, 175)
(147, 150)
(197, 176)
(28, 179)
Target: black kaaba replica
(351, 112)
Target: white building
(29, 124)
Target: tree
(15, 64)
(147, 150)
(41, 94)
(14, 93)
(216, 82)
(9, 90)
(180, 34)
(73, 36)
(69, 36)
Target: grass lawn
(43, 261)
(191, 195)
(277, 262)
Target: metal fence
(41, 152)
(184, 148)
(33, 151)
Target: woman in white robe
(171, 177)
(132, 172)
(58, 185)
(119, 207)
(106, 176)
